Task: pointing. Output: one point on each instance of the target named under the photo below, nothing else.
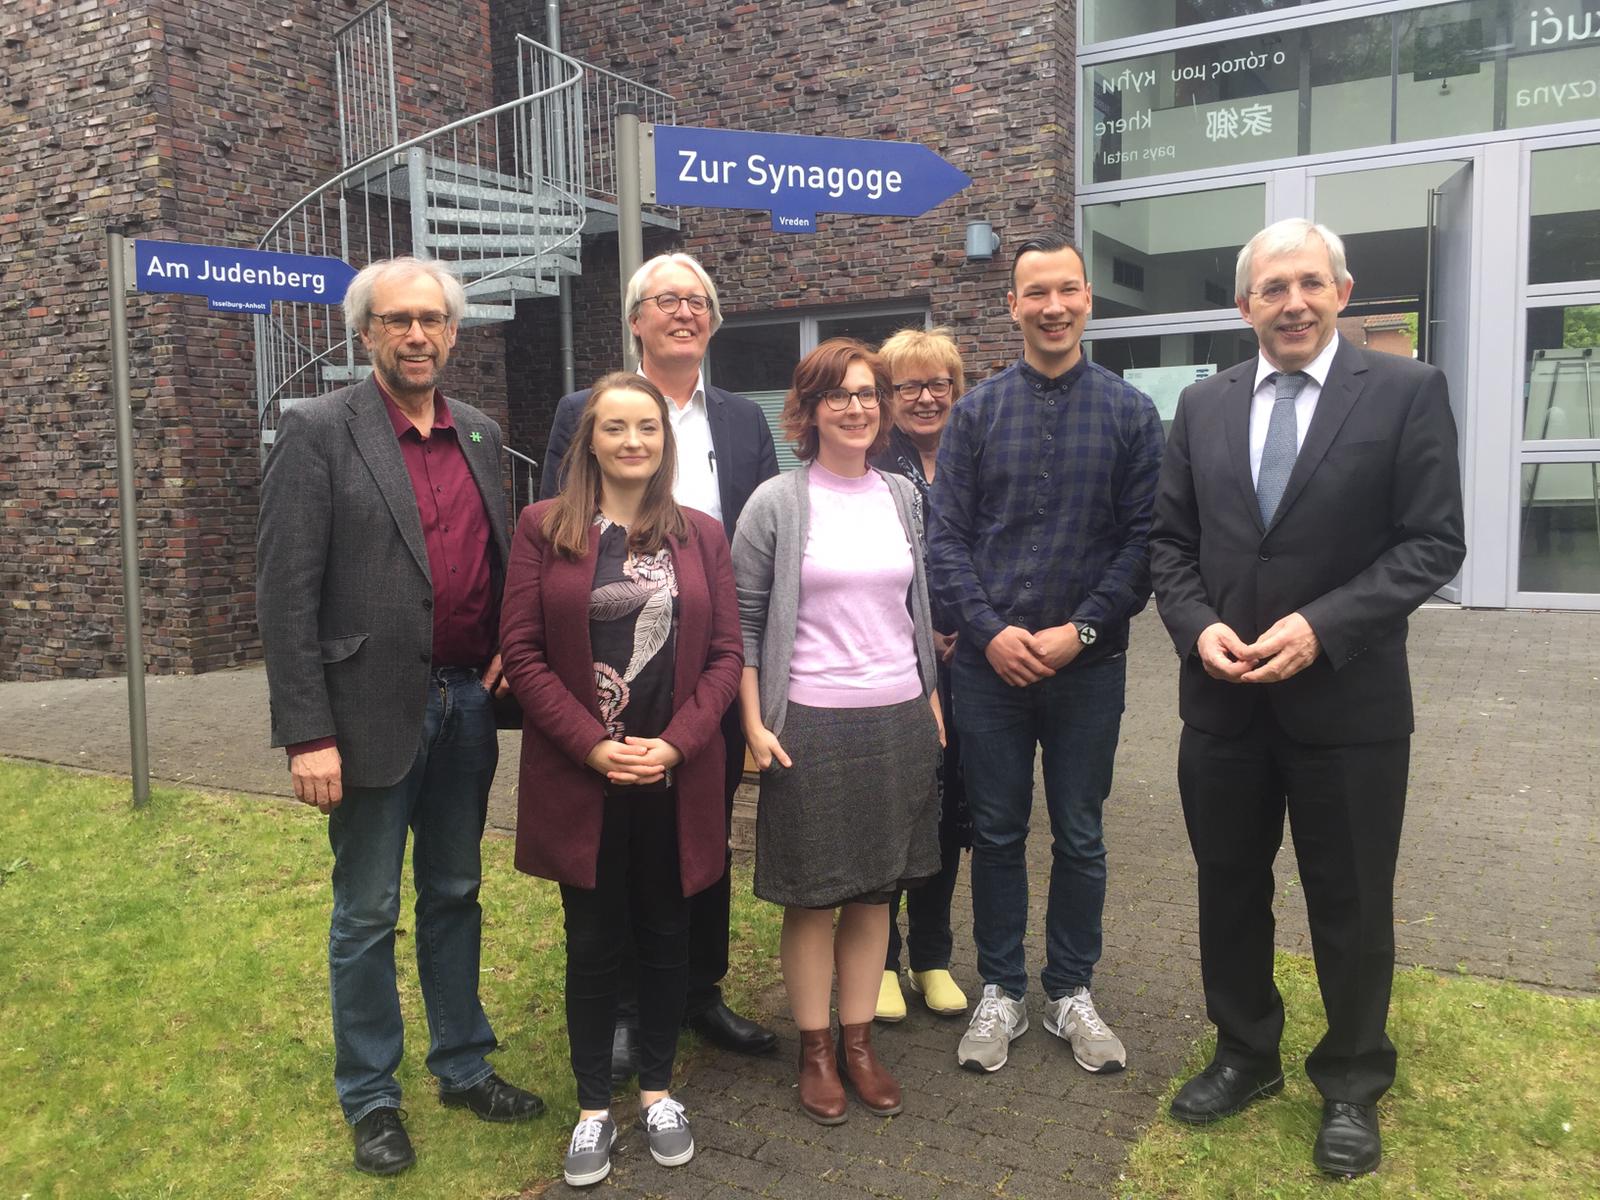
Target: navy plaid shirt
(1040, 508)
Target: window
(1162, 365)
(1106, 20)
(1435, 71)
(1169, 253)
(756, 356)
(1564, 235)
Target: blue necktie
(1278, 455)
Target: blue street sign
(795, 177)
(236, 279)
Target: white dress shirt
(1305, 404)
(696, 486)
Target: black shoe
(721, 1026)
(624, 1052)
(382, 1147)
(1348, 1144)
(1220, 1091)
(495, 1100)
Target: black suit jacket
(344, 597)
(740, 436)
(1369, 527)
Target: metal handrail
(365, 166)
(496, 195)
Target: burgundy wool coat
(545, 650)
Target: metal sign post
(232, 280)
(132, 604)
(630, 222)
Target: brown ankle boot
(821, 1093)
(859, 1064)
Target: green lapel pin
(476, 436)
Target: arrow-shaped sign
(236, 279)
(795, 177)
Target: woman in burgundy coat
(620, 636)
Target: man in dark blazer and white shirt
(725, 450)
(382, 545)
(1310, 501)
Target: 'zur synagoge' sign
(1463, 68)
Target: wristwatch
(1087, 633)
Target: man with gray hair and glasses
(381, 550)
(1309, 502)
(725, 450)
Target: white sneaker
(996, 1021)
(1073, 1019)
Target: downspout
(569, 365)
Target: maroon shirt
(456, 530)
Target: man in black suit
(1310, 501)
(724, 451)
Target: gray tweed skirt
(857, 814)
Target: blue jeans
(443, 800)
(1075, 717)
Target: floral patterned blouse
(633, 622)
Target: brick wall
(185, 121)
(985, 83)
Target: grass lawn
(1497, 1095)
(164, 1023)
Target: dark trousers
(1345, 807)
(637, 901)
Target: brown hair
(820, 370)
(926, 348)
(567, 522)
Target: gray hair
(1287, 237)
(358, 296)
(634, 296)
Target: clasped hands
(634, 760)
(1284, 650)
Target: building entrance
(1408, 240)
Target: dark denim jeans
(443, 800)
(1074, 717)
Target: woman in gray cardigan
(840, 709)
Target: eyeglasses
(838, 399)
(910, 389)
(668, 302)
(399, 323)
(1310, 287)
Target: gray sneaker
(996, 1021)
(671, 1143)
(1073, 1019)
(589, 1155)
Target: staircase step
(539, 221)
(503, 288)
(528, 197)
(472, 269)
(488, 314)
(524, 245)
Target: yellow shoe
(939, 990)
(891, 1004)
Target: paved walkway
(1499, 876)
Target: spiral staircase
(505, 197)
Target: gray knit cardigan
(768, 546)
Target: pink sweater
(854, 643)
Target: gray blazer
(768, 546)
(343, 594)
